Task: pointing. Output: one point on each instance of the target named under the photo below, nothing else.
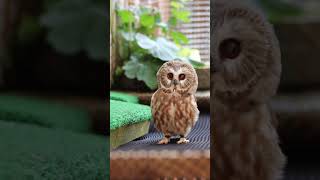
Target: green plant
(277, 10)
(146, 42)
(77, 25)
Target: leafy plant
(77, 25)
(278, 9)
(146, 42)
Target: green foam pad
(118, 96)
(33, 152)
(128, 133)
(42, 113)
(124, 113)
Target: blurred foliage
(77, 25)
(146, 42)
(29, 29)
(278, 10)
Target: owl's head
(245, 54)
(177, 76)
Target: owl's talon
(164, 141)
(183, 141)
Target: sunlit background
(145, 34)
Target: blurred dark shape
(53, 115)
(56, 46)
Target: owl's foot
(164, 141)
(183, 141)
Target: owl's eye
(170, 76)
(182, 77)
(229, 49)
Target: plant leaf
(181, 15)
(165, 50)
(126, 16)
(176, 5)
(143, 70)
(195, 55)
(277, 10)
(144, 41)
(184, 52)
(148, 73)
(160, 48)
(131, 69)
(197, 64)
(179, 37)
(76, 26)
(147, 20)
(162, 25)
(192, 56)
(173, 21)
(29, 29)
(129, 36)
(95, 42)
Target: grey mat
(199, 139)
(302, 173)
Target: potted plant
(145, 42)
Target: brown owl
(246, 68)
(173, 105)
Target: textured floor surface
(303, 172)
(199, 139)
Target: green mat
(43, 113)
(128, 121)
(123, 97)
(32, 152)
(123, 113)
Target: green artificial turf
(38, 153)
(42, 113)
(124, 113)
(118, 96)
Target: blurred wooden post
(115, 60)
(113, 50)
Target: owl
(245, 73)
(173, 105)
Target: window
(197, 30)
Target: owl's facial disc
(177, 76)
(172, 79)
(176, 79)
(179, 81)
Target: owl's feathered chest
(246, 145)
(173, 113)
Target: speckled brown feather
(173, 113)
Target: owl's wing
(154, 100)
